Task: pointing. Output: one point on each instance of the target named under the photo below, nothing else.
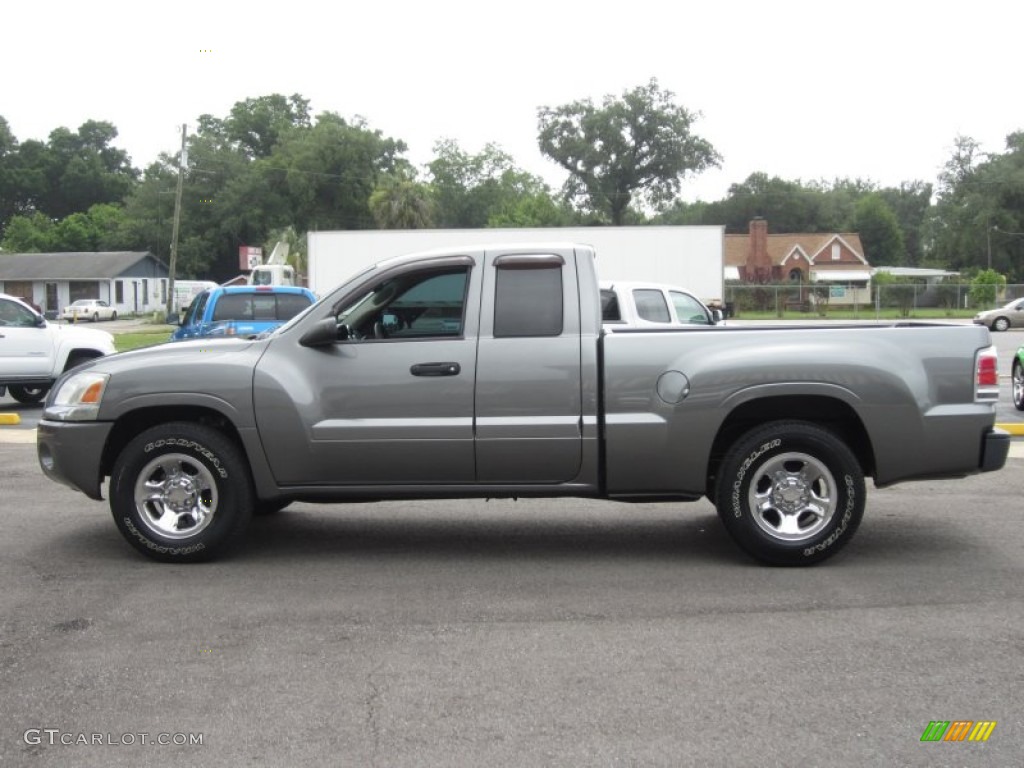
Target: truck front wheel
(790, 493)
(28, 394)
(181, 492)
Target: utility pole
(182, 160)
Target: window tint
(290, 304)
(233, 306)
(264, 307)
(651, 305)
(610, 312)
(528, 302)
(688, 309)
(426, 304)
(260, 307)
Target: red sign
(249, 256)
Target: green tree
(471, 190)
(879, 231)
(103, 227)
(911, 202)
(328, 172)
(639, 145)
(257, 125)
(536, 210)
(29, 233)
(401, 202)
(985, 286)
(81, 168)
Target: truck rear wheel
(790, 493)
(181, 492)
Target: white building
(130, 281)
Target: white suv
(33, 352)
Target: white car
(33, 352)
(652, 305)
(89, 309)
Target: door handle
(436, 369)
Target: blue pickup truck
(241, 310)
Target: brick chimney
(759, 264)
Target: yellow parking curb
(10, 418)
(1016, 428)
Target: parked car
(246, 310)
(88, 309)
(652, 305)
(33, 352)
(1003, 318)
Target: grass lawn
(144, 337)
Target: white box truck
(688, 256)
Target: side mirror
(40, 321)
(324, 333)
(716, 316)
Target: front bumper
(71, 453)
(995, 447)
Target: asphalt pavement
(531, 633)
(548, 633)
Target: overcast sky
(798, 89)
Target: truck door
(26, 349)
(391, 402)
(528, 390)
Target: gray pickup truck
(485, 372)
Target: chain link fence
(903, 298)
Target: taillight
(986, 375)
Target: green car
(1018, 379)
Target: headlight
(78, 398)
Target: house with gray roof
(130, 281)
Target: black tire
(1000, 324)
(790, 493)
(181, 492)
(114, 315)
(1017, 384)
(95, 317)
(29, 395)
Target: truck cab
(241, 311)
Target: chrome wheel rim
(1018, 385)
(792, 497)
(176, 496)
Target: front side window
(15, 315)
(416, 305)
(688, 309)
(651, 305)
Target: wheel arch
(829, 412)
(130, 424)
(78, 356)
